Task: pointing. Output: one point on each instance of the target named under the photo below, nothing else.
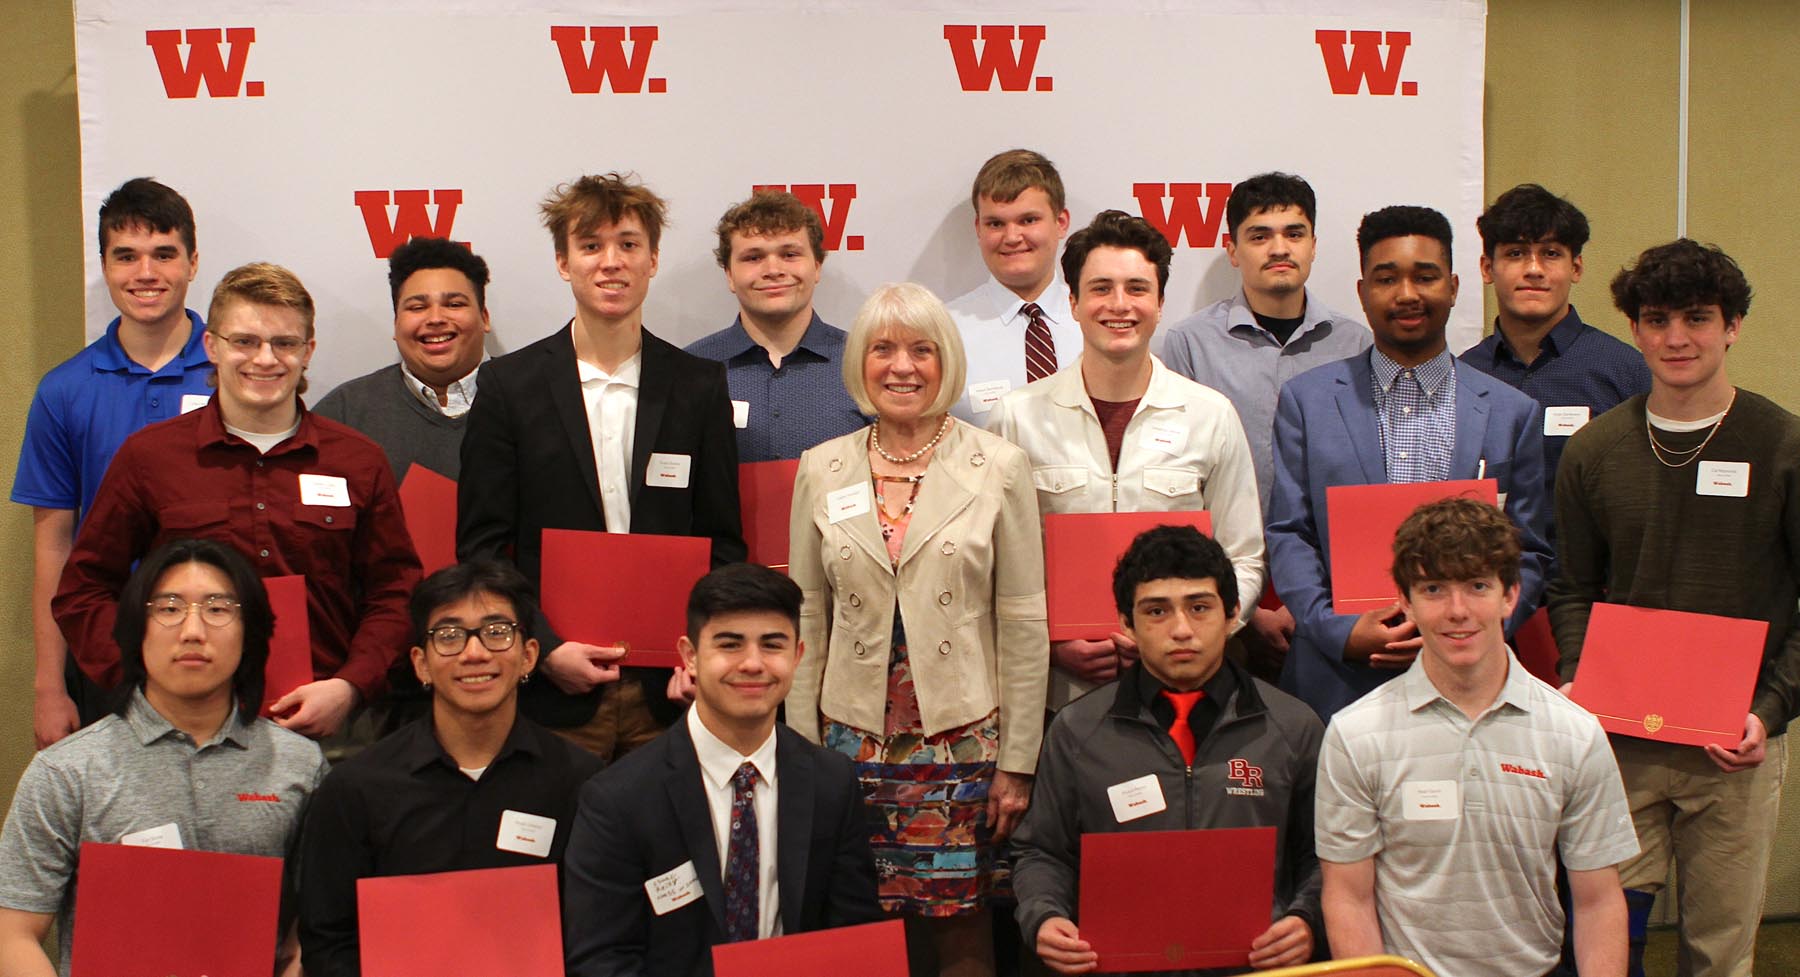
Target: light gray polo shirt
(242, 791)
(1462, 817)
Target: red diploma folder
(870, 950)
(626, 589)
(428, 500)
(1080, 551)
(1176, 900)
(156, 912)
(445, 924)
(1535, 645)
(1363, 520)
(1669, 675)
(765, 496)
(290, 647)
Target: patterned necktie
(1040, 346)
(742, 878)
(1179, 730)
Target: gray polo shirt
(1462, 817)
(241, 791)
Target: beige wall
(1580, 97)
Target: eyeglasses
(243, 343)
(172, 611)
(449, 639)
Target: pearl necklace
(875, 442)
(1659, 450)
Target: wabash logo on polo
(986, 54)
(617, 58)
(1358, 59)
(1191, 211)
(834, 217)
(215, 58)
(1524, 771)
(412, 216)
(1248, 775)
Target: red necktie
(1179, 730)
(1040, 346)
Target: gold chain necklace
(1658, 449)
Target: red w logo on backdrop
(1365, 64)
(1175, 210)
(412, 217)
(834, 218)
(996, 60)
(609, 61)
(221, 71)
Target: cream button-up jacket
(1184, 449)
(970, 589)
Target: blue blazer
(1326, 434)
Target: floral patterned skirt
(934, 854)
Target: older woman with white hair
(917, 544)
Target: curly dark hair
(421, 253)
(1402, 220)
(1179, 552)
(1456, 539)
(1680, 275)
(1528, 213)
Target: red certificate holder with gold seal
(1670, 676)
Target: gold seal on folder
(1652, 723)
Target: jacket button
(855, 600)
(949, 547)
(843, 552)
(943, 647)
(978, 459)
(944, 598)
(836, 464)
(860, 650)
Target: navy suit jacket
(647, 814)
(528, 465)
(1326, 434)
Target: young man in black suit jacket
(730, 826)
(601, 426)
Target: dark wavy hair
(1455, 539)
(144, 202)
(254, 613)
(1178, 552)
(737, 587)
(1527, 214)
(485, 576)
(1117, 229)
(1680, 275)
(1402, 220)
(1269, 191)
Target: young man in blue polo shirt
(149, 366)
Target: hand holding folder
(428, 501)
(1669, 675)
(626, 589)
(445, 923)
(1363, 520)
(1176, 900)
(1080, 551)
(870, 950)
(173, 911)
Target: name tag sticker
(1430, 800)
(193, 402)
(527, 834)
(1560, 422)
(673, 889)
(162, 836)
(1165, 437)
(984, 395)
(324, 490)
(1138, 798)
(667, 470)
(1730, 479)
(847, 502)
(740, 414)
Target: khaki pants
(622, 722)
(1716, 828)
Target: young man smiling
(296, 493)
(1688, 499)
(1444, 795)
(1119, 432)
(1406, 411)
(1013, 326)
(149, 366)
(416, 408)
(783, 363)
(473, 785)
(728, 827)
(1191, 723)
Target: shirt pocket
(193, 518)
(1055, 480)
(1175, 483)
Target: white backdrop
(276, 123)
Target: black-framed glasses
(450, 639)
(171, 611)
(286, 347)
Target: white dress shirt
(611, 401)
(992, 323)
(718, 762)
(459, 395)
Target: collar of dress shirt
(718, 761)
